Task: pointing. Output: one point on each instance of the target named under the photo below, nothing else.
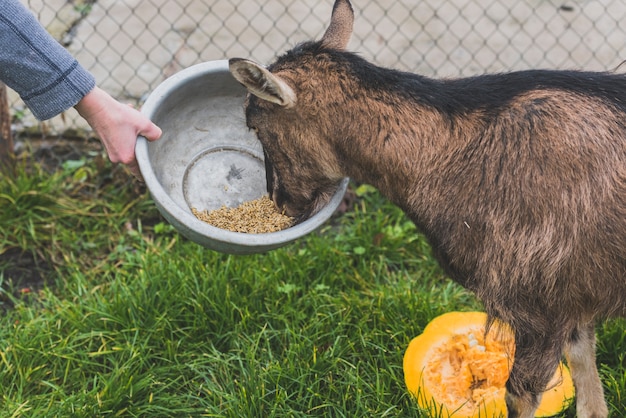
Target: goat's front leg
(536, 360)
(580, 352)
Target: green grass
(136, 321)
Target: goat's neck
(395, 150)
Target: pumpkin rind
(440, 333)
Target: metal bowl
(207, 158)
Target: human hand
(117, 125)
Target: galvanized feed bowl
(207, 158)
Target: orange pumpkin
(455, 371)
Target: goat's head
(283, 108)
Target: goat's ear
(339, 31)
(262, 83)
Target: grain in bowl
(253, 217)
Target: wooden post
(7, 152)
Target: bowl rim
(165, 203)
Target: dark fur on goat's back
(458, 96)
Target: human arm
(36, 66)
(50, 80)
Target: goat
(518, 181)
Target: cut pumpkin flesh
(455, 371)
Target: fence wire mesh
(132, 45)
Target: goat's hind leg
(580, 352)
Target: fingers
(134, 169)
(151, 132)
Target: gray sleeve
(45, 75)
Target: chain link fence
(132, 45)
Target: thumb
(151, 132)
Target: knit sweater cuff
(58, 97)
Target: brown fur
(518, 181)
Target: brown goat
(518, 180)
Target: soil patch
(24, 274)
